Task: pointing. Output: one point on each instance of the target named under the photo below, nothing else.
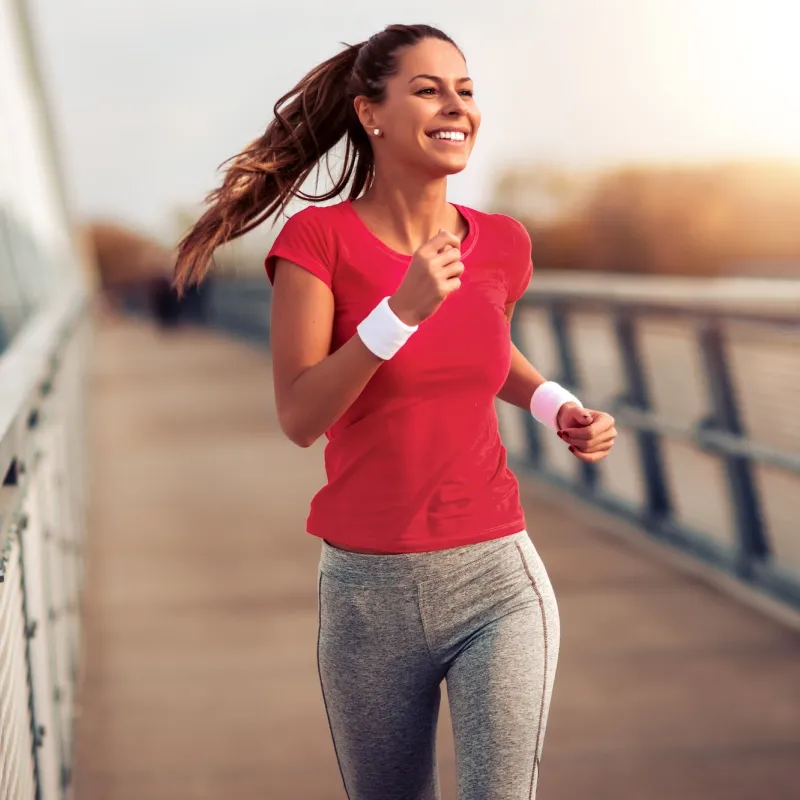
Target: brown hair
(309, 121)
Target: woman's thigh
(499, 688)
(381, 691)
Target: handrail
(41, 532)
(713, 441)
(758, 298)
(29, 360)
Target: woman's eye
(429, 90)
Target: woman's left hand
(589, 434)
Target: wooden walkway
(200, 617)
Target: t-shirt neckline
(467, 243)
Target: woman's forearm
(322, 393)
(522, 381)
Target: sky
(150, 97)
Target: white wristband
(383, 332)
(547, 400)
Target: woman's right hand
(433, 274)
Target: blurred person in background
(390, 335)
(133, 272)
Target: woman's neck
(406, 213)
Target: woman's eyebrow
(436, 79)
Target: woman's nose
(455, 105)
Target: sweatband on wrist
(547, 401)
(383, 332)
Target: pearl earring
(376, 131)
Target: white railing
(42, 523)
(44, 333)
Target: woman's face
(428, 119)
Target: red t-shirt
(416, 463)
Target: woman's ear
(366, 113)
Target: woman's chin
(456, 168)
(441, 168)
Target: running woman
(390, 336)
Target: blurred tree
(123, 256)
(736, 218)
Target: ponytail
(309, 121)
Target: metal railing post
(657, 504)
(743, 497)
(569, 377)
(532, 432)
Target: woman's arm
(522, 381)
(523, 378)
(589, 434)
(313, 387)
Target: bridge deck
(200, 616)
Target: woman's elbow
(295, 433)
(303, 442)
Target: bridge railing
(701, 376)
(42, 518)
(43, 341)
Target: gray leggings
(392, 627)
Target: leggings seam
(539, 597)
(422, 625)
(322, 687)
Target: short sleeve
(305, 241)
(521, 262)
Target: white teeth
(455, 136)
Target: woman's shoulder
(307, 239)
(494, 218)
(314, 215)
(496, 225)
(507, 240)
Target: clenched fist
(590, 434)
(433, 274)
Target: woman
(390, 334)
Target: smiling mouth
(454, 137)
